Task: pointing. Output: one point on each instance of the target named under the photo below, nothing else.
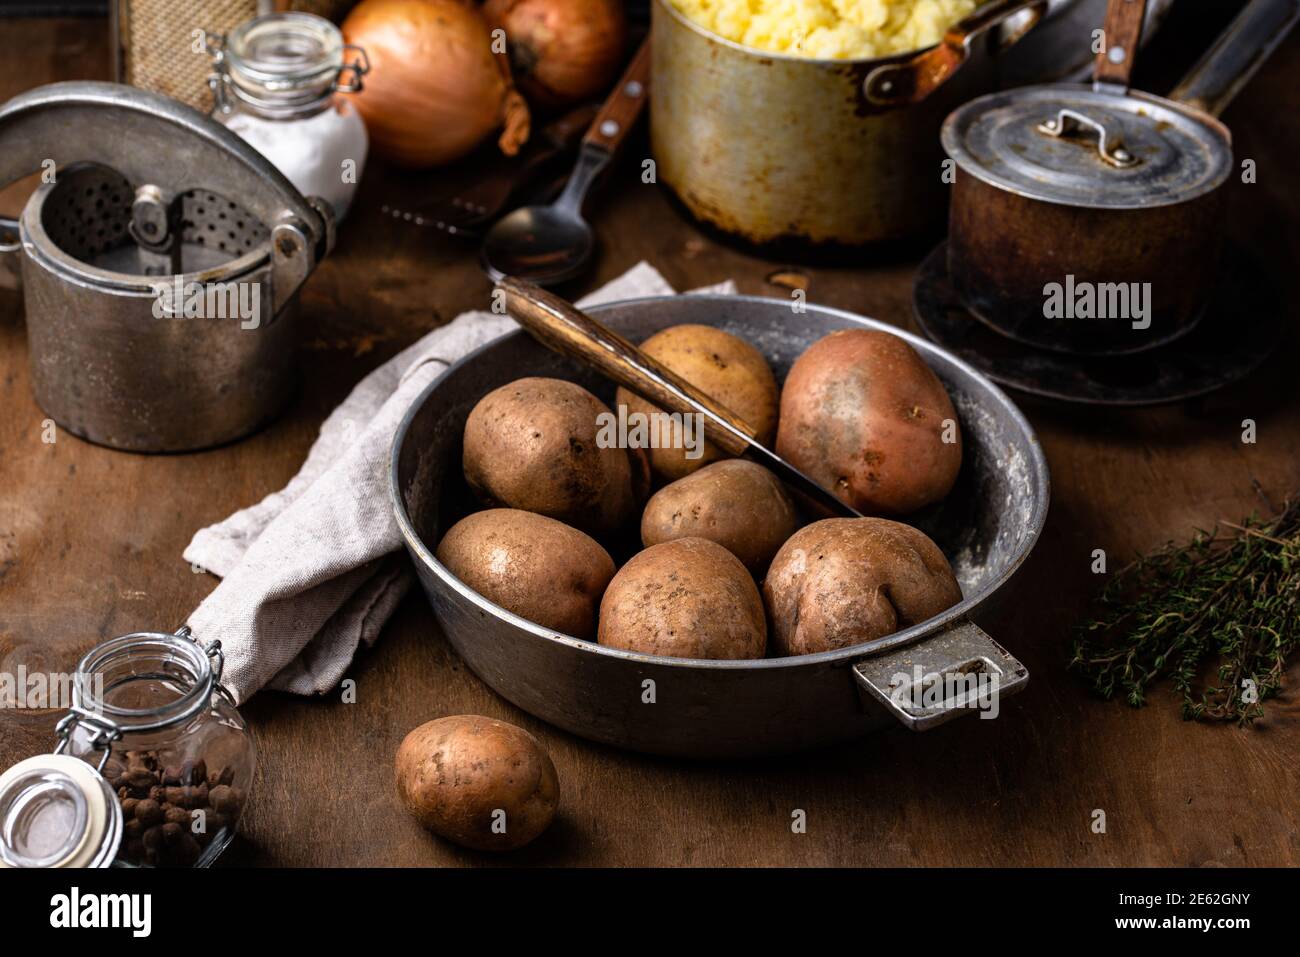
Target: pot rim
(685, 21)
(41, 248)
(846, 656)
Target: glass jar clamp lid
(284, 65)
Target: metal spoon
(548, 244)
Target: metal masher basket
(160, 262)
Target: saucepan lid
(1086, 147)
(1104, 147)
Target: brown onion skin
(418, 116)
(562, 51)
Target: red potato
(864, 416)
(845, 581)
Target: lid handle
(153, 139)
(1109, 147)
(1121, 35)
(1228, 65)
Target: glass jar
(166, 763)
(275, 84)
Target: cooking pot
(1090, 219)
(160, 261)
(773, 147)
(986, 526)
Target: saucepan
(778, 148)
(1090, 219)
(987, 527)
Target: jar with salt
(274, 84)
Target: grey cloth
(315, 570)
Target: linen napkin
(314, 570)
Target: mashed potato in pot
(829, 29)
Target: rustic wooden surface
(90, 545)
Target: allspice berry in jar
(183, 764)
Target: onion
(561, 51)
(435, 89)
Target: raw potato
(458, 774)
(532, 565)
(738, 504)
(532, 445)
(864, 416)
(686, 599)
(845, 581)
(724, 367)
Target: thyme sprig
(1233, 593)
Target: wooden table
(90, 545)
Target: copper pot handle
(1121, 37)
(911, 81)
(1228, 65)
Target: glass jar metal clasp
(104, 731)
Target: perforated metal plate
(87, 214)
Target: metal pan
(987, 527)
(1090, 220)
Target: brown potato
(532, 445)
(864, 416)
(532, 565)
(845, 581)
(482, 783)
(724, 367)
(738, 504)
(686, 599)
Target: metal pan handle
(1228, 65)
(901, 84)
(957, 671)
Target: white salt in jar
(275, 84)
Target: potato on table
(844, 581)
(690, 598)
(531, 445)
(534, 566)
(736, 503)
(482, 783)
(864, 416)
(724, 367)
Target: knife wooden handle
(569, 331)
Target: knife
(563, 328)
